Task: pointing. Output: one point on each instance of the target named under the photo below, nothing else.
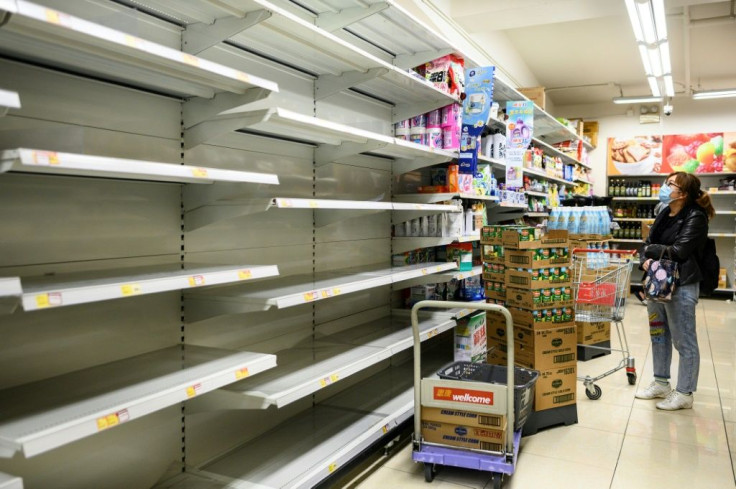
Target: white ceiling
(569, 43)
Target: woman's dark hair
(690, 186)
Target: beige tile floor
(621, 442)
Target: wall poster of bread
(711, 152)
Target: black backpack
(709, 267)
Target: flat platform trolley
(601, 281)
(473, 387)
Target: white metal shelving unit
(544, 176)
(35, 32)
(297, 290)
(8, 100)
(309, 447)
(84, 287)
(8, 481)
(10, 294)
(314, 365)
(51, 413)
(55, 163)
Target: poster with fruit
(729, 152)
(693, 153)
(639, 155)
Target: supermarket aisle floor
(621, 442)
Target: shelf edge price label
(130, 289)
(199, 172)
(313, 204)
(132, 41)
(196, 281)
(242, 77)
(432, 333)
(310, 296)
(424, 271)
(190, 60)
(45, 158)
(244, 274)
(111, 420)
(193, 390)
(332, 467)
(49, 299)
(385, 429)
(284, 203)
(242, 373)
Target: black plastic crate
(524, 381)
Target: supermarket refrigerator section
(214, 236)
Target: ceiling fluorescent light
(644, 53)
(664, 53)
(654, 86)
(669, 86)
(636, 100)
(706, 94)
(634, 19)
(660, 21)
(647, 22)
(656, 61)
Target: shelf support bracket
(327, 85)
(409, 61)
(198, 37)
(325, 154)
(198, 109)
(333, 21)
(405, 111)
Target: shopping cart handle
(610, 252)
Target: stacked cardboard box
(538, 294)
(466, 429)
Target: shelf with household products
(8, 100)
(50, 413)
(315, 363)
(47, 292)
(302, 289)
(54, 38)
(309, 447)
(275, 31)
(38, 161)
(200, 213)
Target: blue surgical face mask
(665, 194)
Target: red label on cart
(463, 395)
(596, 293)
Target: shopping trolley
(483, 388)
(601, 285)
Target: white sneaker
(676, 400)
(654, 390)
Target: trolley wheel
(632, 377)
(496, 478)
(595, 395)
(429, 472)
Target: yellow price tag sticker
(424, 271)
(245, 274)
(310, 296)
(50, 299)
(323, 382)
(130, 289)
(332, 467)
(131, 41)
(196, 281)
(193, 390)
(285, 203)
(241, 373)
(385, 429)
(243, 77)
(313, 204)
(45, 158)
(334, 377)
(199, 172)
(433, 332)
(111, 420)
(42, 300)
(52, 16)
(336, 291)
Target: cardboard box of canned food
(558, 296)
(529, 238)
(556, 387)
(543, 278)
(492, 254)
(462, 417)
(553, 317)
(542, 349)
(492, 235)
(593, 333)
(464, 436)
(538, 258)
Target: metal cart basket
(505, 391)
(601, 281)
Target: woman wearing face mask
(680, 229)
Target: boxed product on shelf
(542, 349)
(538, 258)
(556, 387)
(593, 333)
(590, 130)
(464, 436)
(422, 292)
(556, 297)
(462, 254)
(552, 317)
(722, 278)
(462, 417)
(535, 94)
(470, 338)
(446, 73)
(538, 278)
(525, 237)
